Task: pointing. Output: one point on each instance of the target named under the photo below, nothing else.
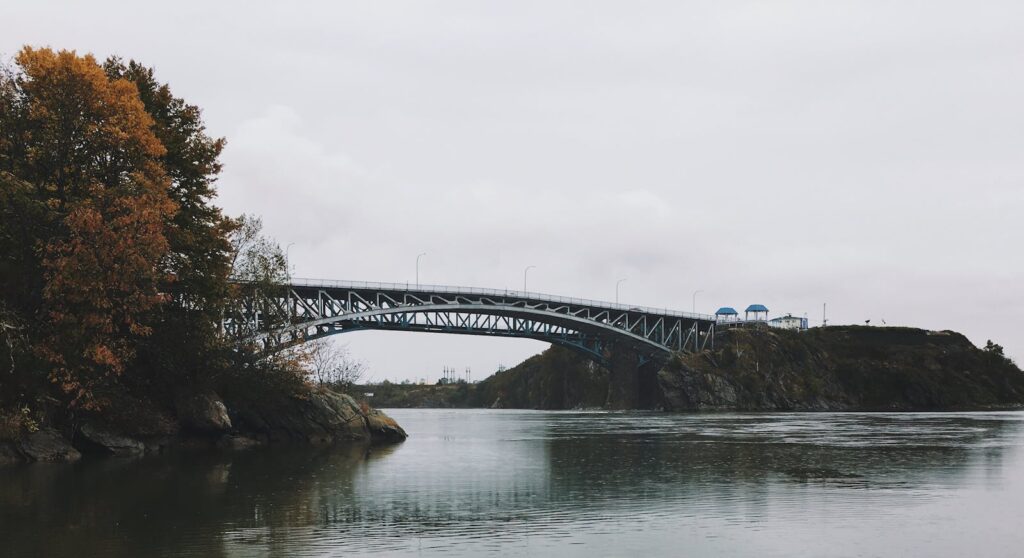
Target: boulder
(94, 436)
(316, 416)
(203, 411)
(384, 428)
(48, 445)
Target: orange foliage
(91, 152)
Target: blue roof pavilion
(757, 310)
(727, 311)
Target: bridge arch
(307, 310)
(586, 337)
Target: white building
(788, 321)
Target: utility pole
(824, 318)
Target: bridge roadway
(308, 309)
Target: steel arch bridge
(309, 309)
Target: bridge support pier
(632, 382)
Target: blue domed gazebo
(726, 313)
(760, 312)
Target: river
(566, 484)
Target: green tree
(200, 251)
(186, 346)
(993, 348)
(260, 270)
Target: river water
(532, 483)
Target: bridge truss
(307, 309)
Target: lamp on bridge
(418, 256)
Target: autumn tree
(116, 268)
(185, 344)
(79, 148)
(200, 252)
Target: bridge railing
(539, 297)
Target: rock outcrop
(105, 440)
(320, 416)
(48, 445)
(305, 415)
(203, 412)
(383, 428)
(841, 368)
(757, 368)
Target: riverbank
(205, 420)
(760, 369)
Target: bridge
(307, 309)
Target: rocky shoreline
(848, 368)
(838, 368)
(203, 420)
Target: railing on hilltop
(724, 321)
(539, 297)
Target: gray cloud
(791, 153)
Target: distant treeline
(555, 379)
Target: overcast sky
(866, 154)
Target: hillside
(834, 368)
(847, 368)
(555, 379)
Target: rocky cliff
(841, 368)
(555, 379)
(834, 368)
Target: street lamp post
(617, 283)
(288, 275)
(287, 264)
(695, 293)
(418, 256)
(525, 271)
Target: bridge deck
(413, 288)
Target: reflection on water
(545, 483)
